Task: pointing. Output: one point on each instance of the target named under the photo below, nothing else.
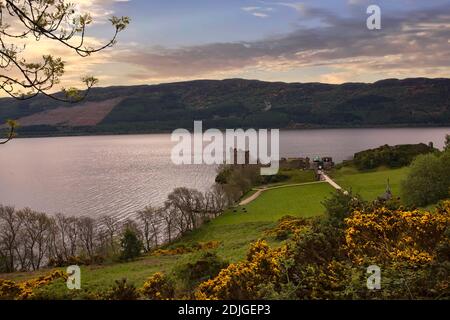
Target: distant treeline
(238, 103)
(390, 156)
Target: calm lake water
(118, 175)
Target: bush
(287, 226)
(428, 180)
(386, 236)
(131, 245)
(243, 280)
(10, 290)
(340, 205)
(158, 287)
(123, 290)
(206, 267)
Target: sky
(291, 41)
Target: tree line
(30, 239)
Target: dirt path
(331, 181)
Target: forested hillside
(238, 103)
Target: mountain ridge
(238, 103)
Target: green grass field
(296, 176)
(274, 204)
(371, 184)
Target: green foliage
(131, 245)
(390, 156)
(206, 267)
(123, 290)
(340, 205)
(274, 178)
(240, 103)
(57, 21)
(428, 180)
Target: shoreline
(149, 132)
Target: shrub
(122, 290)
(158, 287)
(242, 280)
(131, 246)
(11, 290)
(428, 180)
(340, 204)
(395, 236)
(287, 226)
(206, 267)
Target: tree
(10, 226)
(216, 200)
(86, 230)
(190, 205)
(12, 125)
(111, 228)
(428, 180)
(151, 219)
(130, 244)
(55, 20)
(447, 142)
(36, 229)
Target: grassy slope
(295, 176)
(371, 184)
(236, 229)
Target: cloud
(100, 10)
(414, 44)
(260, 12)
(340, 49)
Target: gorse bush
(158, 287)
(10, 290)
(329, 261)
(242, 280)
(287, 226)
(123, 290)
(391, 236)
(206, 267)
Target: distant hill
(237, 103)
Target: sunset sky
(290, 41)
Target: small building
(294, 163)
(325, 163)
